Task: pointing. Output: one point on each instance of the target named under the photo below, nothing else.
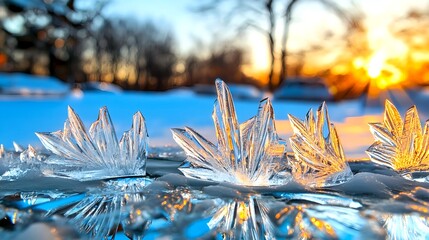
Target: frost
(18, 163)
(246, 154)
(400, 144)
(319, 159)
(97, 154)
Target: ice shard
(96, 153)
(401, 144)
(319, 159)
(246, 154)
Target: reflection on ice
(101, 212)
(406, 226)
(319, 198)
(243, 219)
(26, 224)
(325, 222)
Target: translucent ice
(96, 154)
(101, 212)
(325, 222)
(246, 154)
(319, 159)
(406, 226)
(244, 219)
(401, 144)
(18, 163)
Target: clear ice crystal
(400, 144)
(102, 211)
(319, 159)
(246, 154)
(16, 164)
(97, 154)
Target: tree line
(80, 45)
(77, 45)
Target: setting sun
(376, 64)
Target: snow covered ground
(21, 116)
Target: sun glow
(376, 64)
(383, 68)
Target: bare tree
(352, 20)
(142, 50)
(53, 28)
(251, 13)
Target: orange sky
(306, 31)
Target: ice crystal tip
(319, 159)
(97, 152)
(17, 147)
(400, 144)
(246, 154)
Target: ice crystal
(319, 159)
(246, 154)
(400, 144)
(102, 211)
(97, 154)
(16, 164)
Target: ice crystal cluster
(400, 143)
(246, 154)
(19, 162)
(122, 203)
(96, 153)
(319, 158)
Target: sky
(310, 20)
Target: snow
(24, 85)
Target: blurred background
(354, 53)
(351, 46)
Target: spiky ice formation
(97, 154)
(20, 162)
(401, 144)
(246, 154)
(319, 159)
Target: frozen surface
(376, 203)
(27, 85)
